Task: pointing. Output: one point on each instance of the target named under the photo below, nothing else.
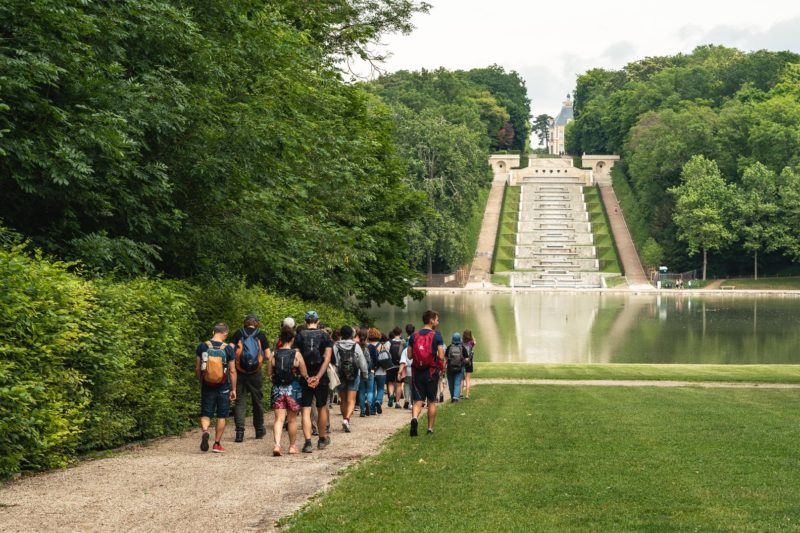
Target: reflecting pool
(598, 327)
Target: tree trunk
(430, 266)
(755, 265)
(705, 262)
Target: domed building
(556, 130)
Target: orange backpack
(216, 365)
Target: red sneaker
(217, 448)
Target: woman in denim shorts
(285, 398)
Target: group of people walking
(312, 367)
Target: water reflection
(597, 327)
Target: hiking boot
(239, 436)
(414, 427)
(391, 400)
(260, 433)
(366, 411)
(217, 448)
(362, 414)
(406, 406)
(308, 447)
(204, 442)
(346, 426)
(323, 443)
(378, 408)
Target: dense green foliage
(193, 137)
(559, 458)
(446, 124)
(88, 364)
(735, 108)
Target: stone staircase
(554, 244)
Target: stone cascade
(554, 243)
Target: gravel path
(170, 485)
(637, 383)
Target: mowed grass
(783, 284)
(649, 372)
(604, 241)
(554, 458)
(503, 260)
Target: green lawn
(764, 283)
(737, 373)
(549, 458)
(503, 260)
(604, 241)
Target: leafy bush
(44, 318)
(88, 364)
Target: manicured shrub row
(93, 363)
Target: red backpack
(422, 350)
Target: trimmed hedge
(90, 364)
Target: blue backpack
(249, 356)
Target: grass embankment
(732, 373)
(635, 218)
(604, 241)
(503, 260)
(520, 458)
(785, 284)
(473, 230)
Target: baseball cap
(288, 321)
(311, 316)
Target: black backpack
(396, 351)
(347, 363)
(284, 362)
(455, 358)
(311, 346)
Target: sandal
(292, 449)
(276, 451)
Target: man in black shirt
(316, 348)
(251, 379)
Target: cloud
(784, 35)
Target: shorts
(468, 368)
(424, 385)
(391, 375)
(320, 393)
(286, 396)
(215, 400)
(349, 385)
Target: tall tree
(758, 222)
(541, 125)
(703, 208)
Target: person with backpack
(252, 349)
(286, 363)
(366, 389)
(383, 361)
(405, 375)
(455, 358)
(427, 353)
(215, 368)
(351, 364)
(468, 341)
(316, 348)
(393, 384)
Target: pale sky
(550, 43)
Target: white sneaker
(346, 426)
